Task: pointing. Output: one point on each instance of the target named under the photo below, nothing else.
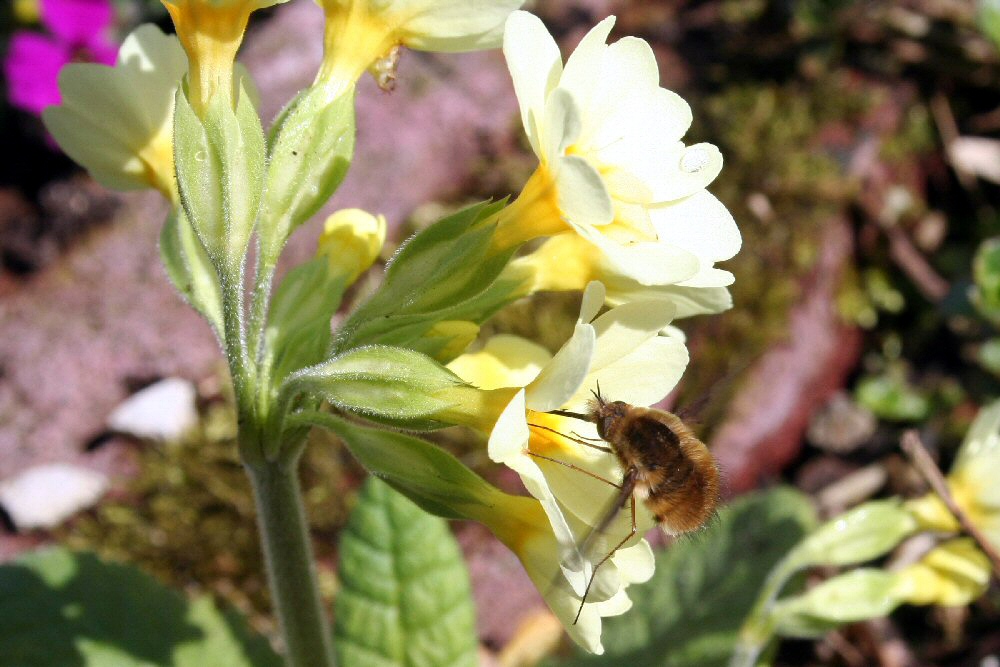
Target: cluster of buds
(616, 209)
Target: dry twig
(925, 465)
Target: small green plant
(616, 210)
(954, 572)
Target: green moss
(188, 517)
(784, 179)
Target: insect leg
(574, 467)
(578, 440)
(629, 482)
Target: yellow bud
(953, 574)
(351, 240)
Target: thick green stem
(291, 570)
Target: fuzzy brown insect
(664, 465)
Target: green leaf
(298, 328)
(988, 19)
(190, 269)
(855, 596)
(312, 145)
(985, 294)
(891, 397)
(405, 599)
(865, 532)
(453, 264)
(426, 474)
(219, 160)
(389, 384)
(689, 613)
(62, 608)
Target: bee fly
(664, 464)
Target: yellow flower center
(535, 213)
(551, 434)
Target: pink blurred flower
(79, 32)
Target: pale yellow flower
(613, 168)
(621, 352)
(567, 262)
(951, 575)
(522, 525)
(972, 481)
(363, 34)
(118, 121)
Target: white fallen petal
(161, 411)
(46, 495)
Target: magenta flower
(79, 32)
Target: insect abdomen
(687, 506)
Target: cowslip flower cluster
(617, 205)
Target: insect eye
(604, 425)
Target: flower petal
(593, 301)
(561, 378)
(644, 376)
(583, 68)
(535, 67)
(583, 199)
(116, 122)
(700, 224)
(504, 361)
(648, 263)
(560, 125)
(624, 329)
(452, 25)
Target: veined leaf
(406, 600)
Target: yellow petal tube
(211, 32)
(355, 36)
